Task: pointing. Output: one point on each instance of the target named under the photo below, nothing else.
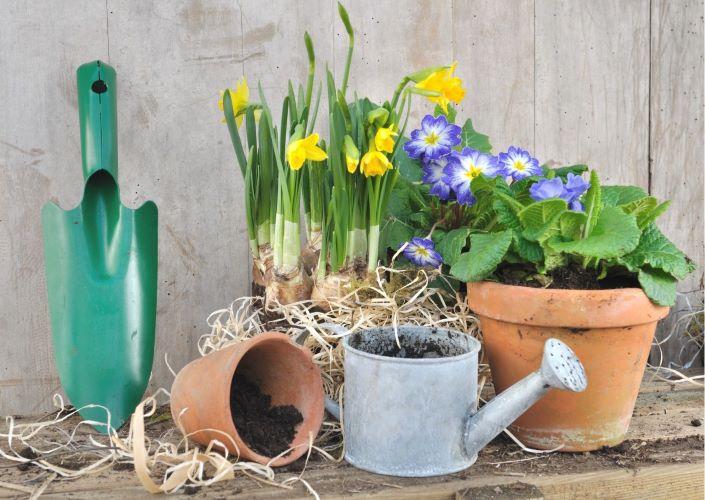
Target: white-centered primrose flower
(434, 139)
(465, 166)
(518, 163)
(422, 252)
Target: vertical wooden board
(42, 45)
(677, 145)
(493, 42)
(394, 39)
(172, 58)
(274, 50)
(592, 64)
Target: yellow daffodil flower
(304, 149)
(450, 87)
(374, 163)
(384, 139)
(240, 97)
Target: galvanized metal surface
(417, 417)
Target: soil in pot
(573, 277)
(267, 429)
(408, 347)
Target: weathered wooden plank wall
(616, 84)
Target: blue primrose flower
(422, 252)
(434, 139)
(571, 191)
(575, 187)
(518, 163)
(465, 166)
(433, 176)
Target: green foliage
(470, 138)
(486, 252)
(658, 285)
(540, 220)
(451, 244)
(615, 235)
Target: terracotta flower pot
(282, 370)
(609, 330)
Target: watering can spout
(560, 369)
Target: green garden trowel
(101, 271)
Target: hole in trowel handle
(99, 87)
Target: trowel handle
(97, 111)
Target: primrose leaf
(470, 138)
(614, 196)
(593, 203)
(409, 168)
(506, 215)
(528, 250)
(646, 210)
(658, 286)
(552, 260)
(396, 232)
(657, 251)
(486, 252)
(563, 172)
(572, 225)
(614, 235)
(452, 244)
(399, 204)
(540, 219)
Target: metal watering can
(410, 408)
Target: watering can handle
(97, 112)
(560, 369)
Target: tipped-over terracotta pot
(609, 330)
(200, 395)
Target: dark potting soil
(266, 429)
(565, 278)
(411, 347)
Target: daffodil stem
(373, 248)
(291, 245)
(398, 91)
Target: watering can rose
(304, 149)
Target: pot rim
(608, 308)
(474, 349)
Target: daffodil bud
(378, 116)
(309, 48)
(350, 149)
